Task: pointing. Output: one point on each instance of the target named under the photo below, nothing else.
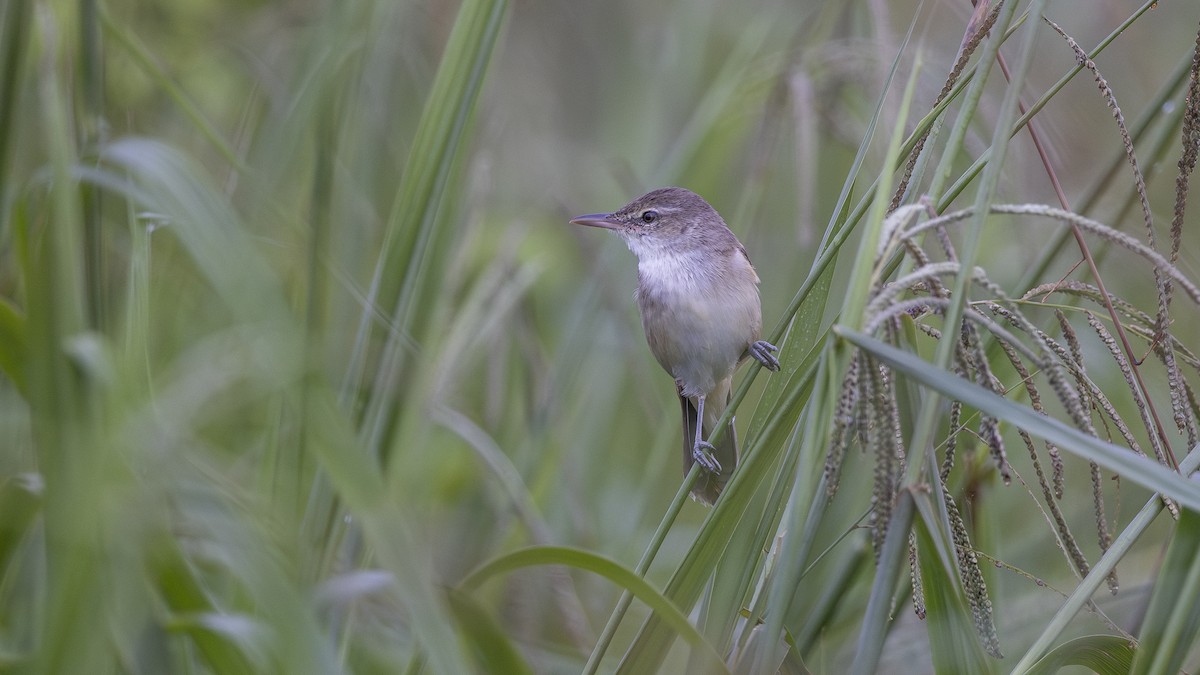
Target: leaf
(622, 576)
(1105, 654)
(953, 641)
(1172, 621)
(13, 343)
(1140, 470)
(226, 645)
(494, 652)
(20, 501)
(1086, 588)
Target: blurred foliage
(304, 371)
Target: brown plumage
(698, 297)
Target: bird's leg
(761, 351)
(702, 449)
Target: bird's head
(674, 219)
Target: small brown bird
(698, 296)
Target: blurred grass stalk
(97, 416)
(63, 414)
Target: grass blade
(1140, 470)
(1172, 622)
(1104, 654)
(622, 576)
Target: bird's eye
(649, 217)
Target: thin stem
(656, 542)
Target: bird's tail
(708, 486)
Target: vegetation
(303, 369)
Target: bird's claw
(702, 453)
(761, 351)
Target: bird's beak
(604, 220)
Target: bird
(697, 294)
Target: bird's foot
(702, 453)
(761, 351)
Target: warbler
(698, 297)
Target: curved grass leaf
(1104, 654)
(585, 560)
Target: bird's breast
(699, 315)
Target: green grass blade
(356, 479)
(692, 574)
(961, 183)
(20, 502)
(1096, 577)
(953, 642)
(144, 59)
(869, 647)
(656, 541)
(16, 20)
(59, 408)
(205, 222)
(1172, 623)
(14, 344)
(185, 596)
(401, 272)
(800, 533)
(494, 652)
(227, 259)
(1141, 470)
(863, 277)
(618, 574)
(1103, 654)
